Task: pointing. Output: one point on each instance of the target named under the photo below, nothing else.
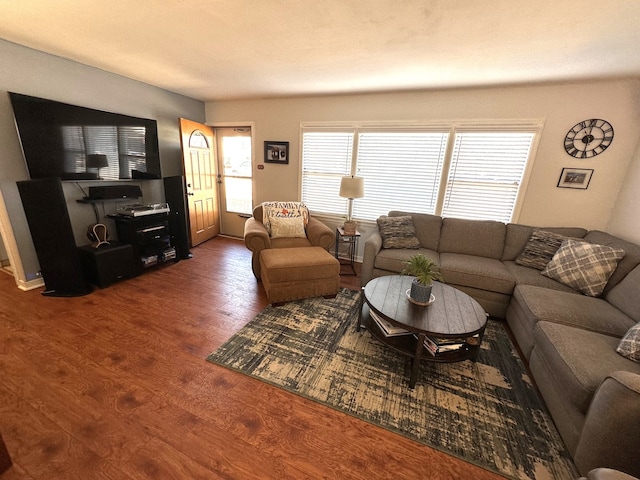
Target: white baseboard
(30, 284)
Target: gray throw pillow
(583, 266)
(540, 249)
(629, 345)
(398, 232)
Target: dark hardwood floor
(114, 385)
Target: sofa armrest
(256, 237)
(320, 235)
(372, 247)
(611, 432)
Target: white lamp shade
(352, 187)
(97, 160)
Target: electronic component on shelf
(149, 260)
(139, 210)
(168, 254)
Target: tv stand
(150, 237)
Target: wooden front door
(199, 164)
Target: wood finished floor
(114, 385)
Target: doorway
(235, 178)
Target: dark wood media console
(150, 237)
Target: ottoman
(299, 272)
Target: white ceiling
(229, 49)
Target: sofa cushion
(477, 272)
(540, 249)
(397, 232)
(494, 303)
(629, 345)
(531, 276)
(625, 296)
(483, 238)
(589, 313)
(584, 266)
(427, 228)
(580, 359)
(628, 263)
(394, 259)
(518, 235)
(290, 242)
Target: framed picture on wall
(276, 152)
(575, 178)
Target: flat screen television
(78, 143)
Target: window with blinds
(402, 172)
(326, 158)
(124, 147)
(474, 174)
(485, 174)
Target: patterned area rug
(487, 412)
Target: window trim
(535, 125)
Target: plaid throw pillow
(398, 232)
(583, 266)
(540, 249)
(629, 346)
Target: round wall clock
(588, 138)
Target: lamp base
(349, 227)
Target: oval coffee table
(448, 330)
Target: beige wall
(560, 106)
(625, 221)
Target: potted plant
(425, 272)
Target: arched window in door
(198, 140)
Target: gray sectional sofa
(568, 339)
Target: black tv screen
(78, 143)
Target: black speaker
(46, 211)
(107, 263)
(111, 192)
(175, 194)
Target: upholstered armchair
(281, 233)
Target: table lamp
(351, 187)
(98, 161)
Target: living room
(609, 204)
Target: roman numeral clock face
(588, 138)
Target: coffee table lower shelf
(412, 346)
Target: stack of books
(438, 345)
(386, 327)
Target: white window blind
(416, 169)
(485, 174)
(74, 149)
(326, 158)
(132, 151)
(402, 172)
(124, 147)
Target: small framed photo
(276, 152)
(575, 178)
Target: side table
(351, 243)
